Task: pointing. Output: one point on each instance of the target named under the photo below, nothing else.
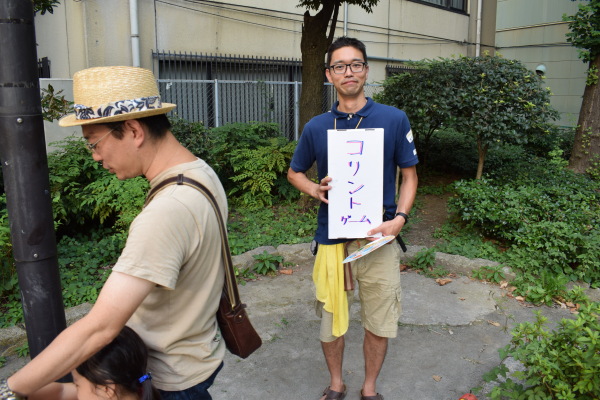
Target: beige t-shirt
(175, 242)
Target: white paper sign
(355, 164)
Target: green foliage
(425, 95)
(260, 174)
(488, 273)
(547, 216)
(54, 106)
(366, 5)
(192, 135)
(559, 364)
(92, 213)
(44, 6)
(489, 99)
(224, 140)
(267, 263)
(424, 261)
(584, 27)
(251, 159)
(282, 224)
(84, 264)
(2, 361)
(83, 192)
(465, 240)
(243, 275)
(22, 351)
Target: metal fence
(220, 102)
(218, 90)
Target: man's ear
(137, 130)
(328, 74)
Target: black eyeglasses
(357, 66)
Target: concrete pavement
(449, 336)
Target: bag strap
(230, 285)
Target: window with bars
(451, 5)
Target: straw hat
(109, 94)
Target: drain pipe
(135, 35)
(478, 40)
(345, 19)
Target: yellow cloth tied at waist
(328, 276)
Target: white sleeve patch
(409, 136)
(415, 152)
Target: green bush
(260, 173)
(272, 226)
(92, 213)
(267, 263)
(224, 140)
(561, 364)
(549, 218)
(85, 194)
(192, 135)
(251, 159)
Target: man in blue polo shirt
(378, 273)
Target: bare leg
(374, 349)
(334, 355)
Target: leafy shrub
(267, 263)
(549, 217)
(224, 140)
(260, 174)
(192, 135)
(488, 273)
(251, 159)
(424, 261)
(561, 364)
(283, 224)
(84, 193)
(54, 105)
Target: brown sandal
(378, 396)
(333, 395)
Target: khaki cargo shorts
(378, 277)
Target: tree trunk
(586, 147)
(314, 44)
(482, 151)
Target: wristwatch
(405, 216)
(7, 394)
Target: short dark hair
(158, 126)
(121, 362)
(345, 41)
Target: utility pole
(26, 181)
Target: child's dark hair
(345, 41)
(123, 362)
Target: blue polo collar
(363, 112)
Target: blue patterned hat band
(117, 107)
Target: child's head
(117, 371)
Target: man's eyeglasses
(92, 146)
(357, 66)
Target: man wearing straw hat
(167, 282)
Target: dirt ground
(430, 214)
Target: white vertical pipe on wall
(135, 33)
(296, 109)
(345, 19)
(478, 40)
(216, 104)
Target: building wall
(97, 32)
(533, 32)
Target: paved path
(449, 337)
